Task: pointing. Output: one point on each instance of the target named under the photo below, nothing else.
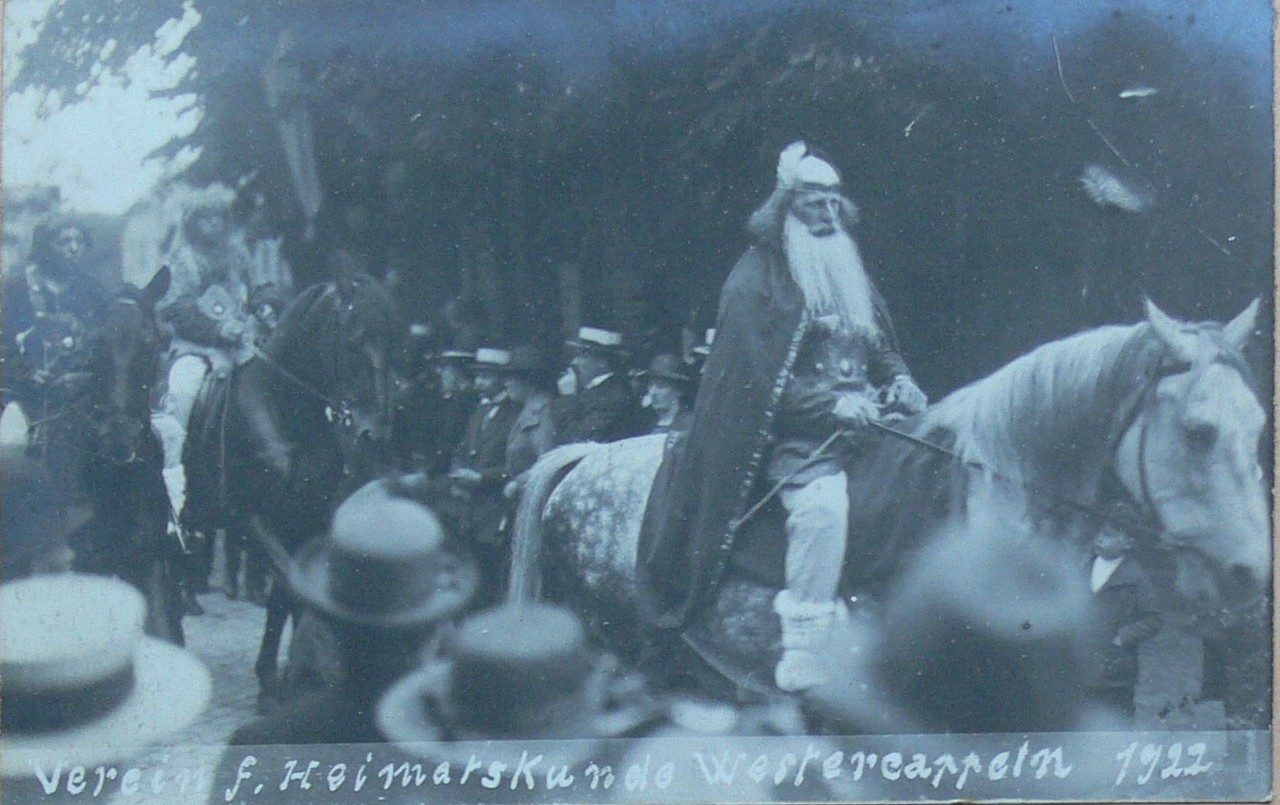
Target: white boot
(805, 626)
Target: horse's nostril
(1241, 577)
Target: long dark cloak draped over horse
(1162, 414)
(107, 435)
(276, 445)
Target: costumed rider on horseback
(51, 307)
(207, 310)
(804, 348)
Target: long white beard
(830, 275)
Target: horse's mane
(1048, 417)
(327, 318)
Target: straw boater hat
(380, 564)
(514, 674)
(452, 356)
(492, 358)
(598, 340)
(82, 685)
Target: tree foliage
(488, 167)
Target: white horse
(1163, 414)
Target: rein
(341, 409)
(1083, 508)
(1146, 504)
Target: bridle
(339, 410)
(92, 411)
(1145, 501)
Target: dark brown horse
(277, 445)
(108, 435)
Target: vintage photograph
(637, 401)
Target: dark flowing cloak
(711, 477)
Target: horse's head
(1191, 458)
(126, 351)
(366, 337)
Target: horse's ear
(1180, 342)
(1237, 331)
(157, 288)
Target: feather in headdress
(789, 163)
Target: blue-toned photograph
(637, 401)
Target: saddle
(207, 445)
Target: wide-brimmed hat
(515, 673)
(380, 565)
(596, 339)
(82, 685)
(492, 358)
(668, 367)
(530, 361)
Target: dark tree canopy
(526, 152)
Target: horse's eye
(1200, 435)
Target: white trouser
(817, 532)
(170, 421)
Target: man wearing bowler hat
(384, 579)
(530, 380)
(604, 409)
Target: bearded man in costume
(804, 347)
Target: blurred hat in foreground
(82, 685)
(518, 671)
(380, 565)
(982, 634)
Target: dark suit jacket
(605, 413)
(484, 444)
(335, 717)
(1125, 609)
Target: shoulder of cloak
(883, 319)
